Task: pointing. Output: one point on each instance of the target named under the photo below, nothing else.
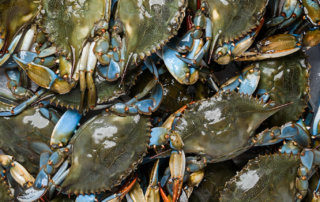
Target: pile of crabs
(159, 100)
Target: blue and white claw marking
(250, 81)
(65, 128)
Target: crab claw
(17, 171)
(65, 128)
(152, 193)
(12, 46)
(42, 75)
(177, 165)
(273, 47)
(31, 194)
(178, 68)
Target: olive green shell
(235, 18)
(177, 95)
(14, 16)
(148, 24)
(69, 23)
(5, 193)
(216, 175)
(266, 178)
(17, 133)
(221, 127)
(286, 80)
(106, 149)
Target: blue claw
(186, 42)
(289, 130)
(65, 128)
(250, 82)
(4, 58)
(49, 115)
(145, 106)
(307, 157)
(110, 72)
(232, 84)
(25, 57)
(303, 138)
(178, 68)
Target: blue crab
(281, 80)
(26, 135)
(91, 145)
(115, 49)
(227, 39)
(226, 122)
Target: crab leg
(119, 196)
(112, 58)
(152, 193)
(289, 131)
(146, 106)
(177, 164)
(42, 180)
(18, 109)
(14, 76)
(92, 61)
(287, 10)
(10, 50)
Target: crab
(27, 135)
(111, 50)
(232, 38)
(90, 146)
(284, 175)
(226, 123)
(282, 80)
